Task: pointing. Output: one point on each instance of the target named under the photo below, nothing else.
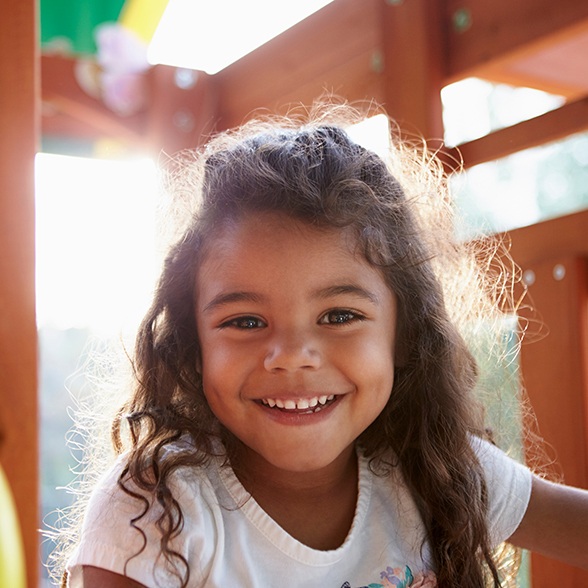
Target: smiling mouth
(306, 405)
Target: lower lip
(299, 417)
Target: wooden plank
(551, 126)
(18, 335)
(174, 116)
(91, 122)
(559, 237)
(555, 368)
(554, 63)
(414, 68)
(480, 31)
(355, 81)
(69, 110)
(555, 371)
(183, 109)
(559, 294)
(305, 55)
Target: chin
(300, 462)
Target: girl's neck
(316, 508)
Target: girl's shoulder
(121, 530)
(498, 464)
(507, 482)
(508, 486)
(193, 474)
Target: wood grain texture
(555, 367)
(18, 342)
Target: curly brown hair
(398, 211)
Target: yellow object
(12, 565)
(142, 17)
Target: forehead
(268, 231)
(269, 248)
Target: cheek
(380, 360)
(213, 352)
(372, 362)
(219, 392)
(223, 368)
(212, 360)
(380, 347)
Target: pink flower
(426, 580)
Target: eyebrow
(224, 299)
(345, 289)
(230, 297)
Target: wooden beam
(18, 334)
(480, 31)
(554, 63)
(356, 81)
(67, 107)
(551, 126)
(555, 367)
(559, 237)
(84, 121)
(334, 50)
(177, 113)
(182, 109)
(555, 370)
(413, 52)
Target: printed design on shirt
(400, 578)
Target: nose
(291, 350)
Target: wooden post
(183, 109)
(552, 255)
(555, 368)
(414, 63)
(18, 335)
(555, 371)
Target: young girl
(303, 410)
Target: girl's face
(297, 340)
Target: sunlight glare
(373, 133)
(96, 256)
(208, 36)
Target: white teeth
(303, 404)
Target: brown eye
(245, 323)
(340, 317)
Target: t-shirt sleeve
(509, 490)
(110, 541)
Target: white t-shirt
(229, 540)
